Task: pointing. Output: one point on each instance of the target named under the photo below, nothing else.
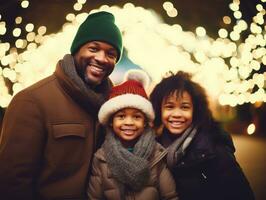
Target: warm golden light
(38, 38)
(29, 27)
(168, 5)
(16, 32)
(82, 1)
(237, 14)
(259, 7)
(25, 4)
(2, 28)
(200, 31)
(264, 60)
(259, 18)
(172, 13)
(258, 104)
(20, 44)
(234, 6)
(41, 30)
(128, 6)
(234, 36)
(254, 64)
(242, 25)
(3, 48)
(70, 17)
(254, 28)
(251, 129)
(223, 33)
(17, 87)
(31, 46)
(30, 36)
(227, 20)
(18, 20)
(228, 67)
(77, 6)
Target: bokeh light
(18, 20)
(251, 129)
(229, 66)
(25, 4)
(29, 27)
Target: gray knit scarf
(95, 96)
(177, 149)
(131, 170)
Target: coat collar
(205, 144)
(202, 148)
(90, 100)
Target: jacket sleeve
(230, 177)
(167, 187)
(21, 146)
(95, 187)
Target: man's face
(94, 61)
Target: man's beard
(82, 72)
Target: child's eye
(120, 116)
(168, 106)
(137, 116)
(185, 107)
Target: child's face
(177, 112)
(128, 123)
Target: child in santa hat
(130, 163)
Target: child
(130, 164)
(200, 154)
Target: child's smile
(177, 112)
(128, 124)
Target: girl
(130, 164)
(200, 153)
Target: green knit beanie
(98, 26)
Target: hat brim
(125, 101)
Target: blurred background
(221, 42)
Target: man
(49, 129)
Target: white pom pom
(138, 75)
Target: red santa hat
(129, 94)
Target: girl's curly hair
(176, 84)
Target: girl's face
(128, 123)
(177, 112)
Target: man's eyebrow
(95, 43)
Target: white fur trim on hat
(125, 101)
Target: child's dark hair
(177, 84)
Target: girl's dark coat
(209, 170)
